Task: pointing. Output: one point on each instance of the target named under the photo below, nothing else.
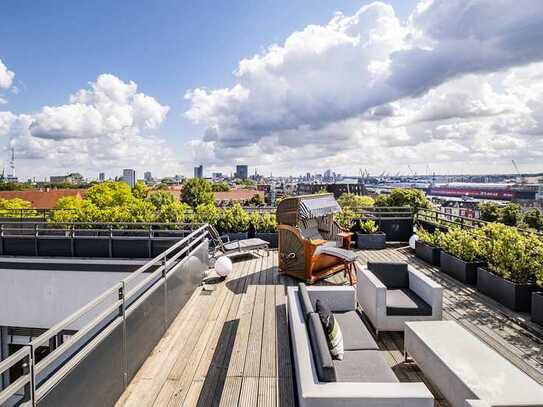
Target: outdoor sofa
(392, 293)
(363, 377)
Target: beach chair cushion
(246, 244)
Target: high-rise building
(147, 176)
(242, 171)
(129, 176)
(101, 177)
(199, 171)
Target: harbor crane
(522, 178)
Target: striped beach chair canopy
(311, 208)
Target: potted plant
(234, 222)
(513, 259)
(537, 299)
(265, 226)
(427, 247)
(368, 235)
(461, 254)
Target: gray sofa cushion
(319, 349)
(305, 301)
(405, 302)
(392, 275)
(355, 334)
(366, 366)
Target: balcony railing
(121, 327)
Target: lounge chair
(225, 247)
(312, 245)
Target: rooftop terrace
(230, 346)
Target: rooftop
(230, 346)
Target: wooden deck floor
(230, 346)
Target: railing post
(110, 245)
(164, 273)
(31, 363)
(36, 250)
(122, 313)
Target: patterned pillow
(331, 330)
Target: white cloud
(105, 127)
(6, 76)
(450, 85)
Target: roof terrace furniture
(307, 235)
(363, 377)
(466, 370)
(236, 247)
(392, 293)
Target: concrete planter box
(516, 297)
(463, 271)
(270, 237)
(428, 253)
(537, 307)
(371, 241)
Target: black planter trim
(516, 297)
(270, 237)
(537, 307)
(463, 271)
(371, 241)
(428, 253)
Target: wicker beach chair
(312, 245)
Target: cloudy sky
(445, 86)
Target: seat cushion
(392, 275)
(405, 302)
(332, 330)
(355, 334)
(364, 366)
(319, 349)
(305, 301)
(246, 244)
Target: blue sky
(166, 46)
(450, 85)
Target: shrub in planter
(537, 299)
(461, 254)
(368, 235)
(234, 222)
(265, 225)
(513, 261)
(428, 247)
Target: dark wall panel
(92, 247)
(55, 247)
(183, 280)
(145, 325)
(131, 248)
(96, 381)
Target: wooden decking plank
(249, 392)
(268, 367)
(216, 357)
(239, 351)
(267, 391)
(231, 392)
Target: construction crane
(411, 169)
(522, 178)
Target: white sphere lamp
(223, 266)
(412, 241)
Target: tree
(355, 201)
(197, 191)
(414, 198)
(256, 200)
(533, 219)
(220, 187)
(8, 207)
(173, 212)
(510, 214)
(140, 190)
(161, 198)
(489, 211)
(110, 193)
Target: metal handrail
(164, 260)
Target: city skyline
(444, 86)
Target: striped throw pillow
(331, 330)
